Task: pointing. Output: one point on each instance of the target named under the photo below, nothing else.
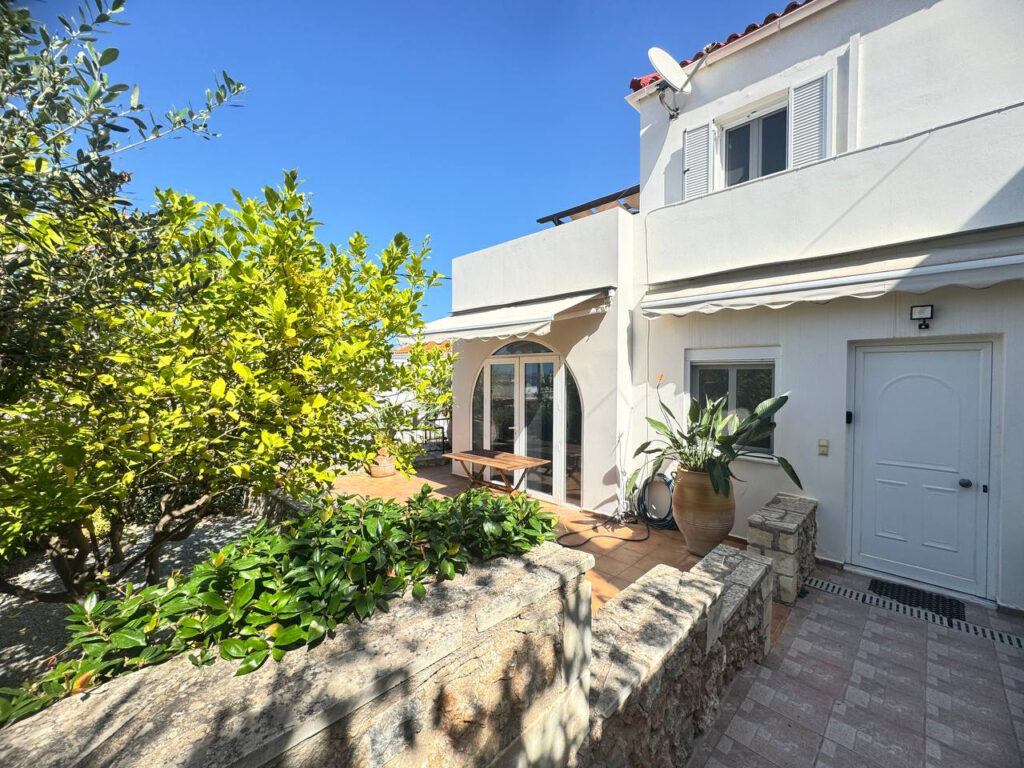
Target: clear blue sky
(465, 121)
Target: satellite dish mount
(673, 77)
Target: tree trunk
(69, 551)
(173, 525)
(115, 536)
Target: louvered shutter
(808, 109)
(697, 162)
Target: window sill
(755, 459)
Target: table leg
(508, 485)
(474, 477)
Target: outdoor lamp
(922, 313)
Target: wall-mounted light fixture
(922, 313)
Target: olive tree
(256, 362)
(68, 242)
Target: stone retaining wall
(490, 669)
(786, 530)
(663, 651)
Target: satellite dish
(665, 64)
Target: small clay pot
(383, 465)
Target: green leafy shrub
(285, 586)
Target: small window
(756, 149)
(744, 384)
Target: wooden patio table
(499, 461)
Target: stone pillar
(786, 531)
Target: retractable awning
(915, 274)
(516, 320)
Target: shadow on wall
(423, 683)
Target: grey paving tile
(986, 705)
(978, 614)
(870, 736)
(1006, 622)
(941, 674)
(819, 628)
(903, 706)
(908, 655)
(731, 754)
(887, 673)
(837, 656)
(734, 696)
(1015, 701)
(938, 755)
(883, 628)
(951, 647)
(832, 755)
(820, 675)
(773, 736)
(789, 697)
(990, 746)
(836, 608)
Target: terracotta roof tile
(638, 83)
(404, 350)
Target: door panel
(502, 431)
(922, 425)
(539, 422)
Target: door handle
(965, 483)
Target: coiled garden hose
(642, 510)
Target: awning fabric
(865, 281)
(517, 320)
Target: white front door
(921, 442)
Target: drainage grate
(949, 607)
(1015, 641)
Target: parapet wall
(494, 668)
(665, 648)
(491, 668)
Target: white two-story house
(835, 210)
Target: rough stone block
(760, 538)
(788, 589)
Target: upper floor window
(787, 130)
(756, 148)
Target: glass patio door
(527, 402)
(538, 431)
(503, 407)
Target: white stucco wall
(891, 193)
(572, 257)
(813, 346)
(898, 68)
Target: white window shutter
(697, 162)
(808, 122)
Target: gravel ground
(31, 632)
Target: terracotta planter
(704, 517)
(382, 466)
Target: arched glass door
(526, 401)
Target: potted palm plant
(703, 451)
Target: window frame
(754, 119)
(733, 359)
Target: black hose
(637, 502)
(664, 523)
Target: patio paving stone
(784, 742)
(866, 687)
(874, 738)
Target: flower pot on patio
(704, 517)
(383, 465)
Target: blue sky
(465, 121)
